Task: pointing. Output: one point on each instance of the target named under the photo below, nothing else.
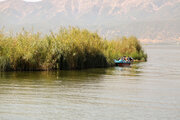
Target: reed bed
(70, 48)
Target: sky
(27, 0)
(32, 0)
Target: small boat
(122, 63)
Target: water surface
(144, 91)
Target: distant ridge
(147, 19)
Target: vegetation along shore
(70, 48)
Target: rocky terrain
(149, 20)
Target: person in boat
(131, 59)
(125, 58)
(128, 58)
(121, 58)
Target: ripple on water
(144, 91)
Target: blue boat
(122, 63)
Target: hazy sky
(27, 0)
(32, 0)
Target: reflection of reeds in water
(53, 77)
(70, 48)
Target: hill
(152, 20)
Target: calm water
(145, 91)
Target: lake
(145, 91)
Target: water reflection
(50, 76)
(133, 70)
(143, 91)
(64, 79)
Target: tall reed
(70, 48)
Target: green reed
(70, 48)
